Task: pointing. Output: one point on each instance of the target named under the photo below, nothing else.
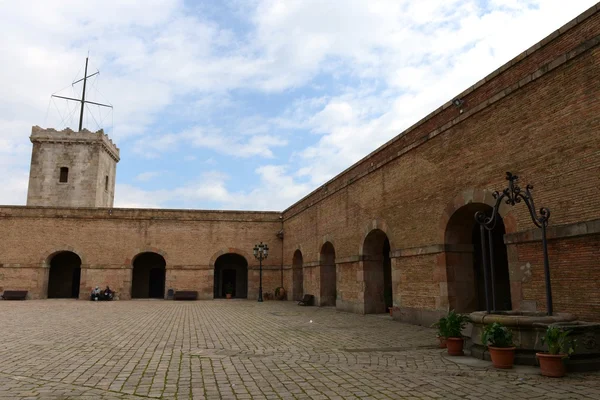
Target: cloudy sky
(246, 104)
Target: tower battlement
(67, 135)
(72, 169)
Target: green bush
(557, 341)
(441, 327)
(455, 323)
(497, 335)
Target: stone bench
(14, 295)
(186, 295)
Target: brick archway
(230, 250)
(327, 275)
(474, 195)
(461, 274)
(376, 224)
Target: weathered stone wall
(108, 240)
(90, 158)
(538, 116)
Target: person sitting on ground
(95, 294)
(108, 294)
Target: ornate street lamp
(261, 252)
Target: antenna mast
(83, 101)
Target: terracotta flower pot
(455, 346)
(502, 357)
(228, 295)
(442, 342)
(391, 310)
(552, 365)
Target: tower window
(64, 174)
(106, 183)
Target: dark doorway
(328, 275)
(297, 276)
(229, 279)
(501, 275)
(231, 269)
(377, 268)
(148, 280)
(464, 263)
(64, 276)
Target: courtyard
(240, 349)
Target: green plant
(228, 288)
(455, 323)
(441, 327)
(497, 335)
(557, 341)
(279, 292)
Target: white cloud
(213, 139)
(382, 65)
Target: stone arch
(474, 195)
(148, 275)
(377, 272)
(376, 224)
(328, 275)
(64, 274)
(297, 275)
(230, 272)
(47, 255)
(229, 250)
(464, 261)
(148, 249)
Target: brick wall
(108, 240)
(538, 116)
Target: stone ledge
(555, 232)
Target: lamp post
(261, 252)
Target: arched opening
(328, 275)
(231, 273)
(65, 276)
(148, 281)
(297, 276)
(377, 268)
(464, 262)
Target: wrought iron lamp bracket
(511, 196)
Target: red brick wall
(574, 273)
(190, 242)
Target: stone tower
(72, 169)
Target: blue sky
(247, 104)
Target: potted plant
(455, 323)
(559, 348)
(279, 293)
(228, 290)
(442, 333)
(498, 339)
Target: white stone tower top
(72, 169)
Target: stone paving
(236, 349)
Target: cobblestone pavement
(69, 349)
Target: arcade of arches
(231, 274)
(64, 275)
